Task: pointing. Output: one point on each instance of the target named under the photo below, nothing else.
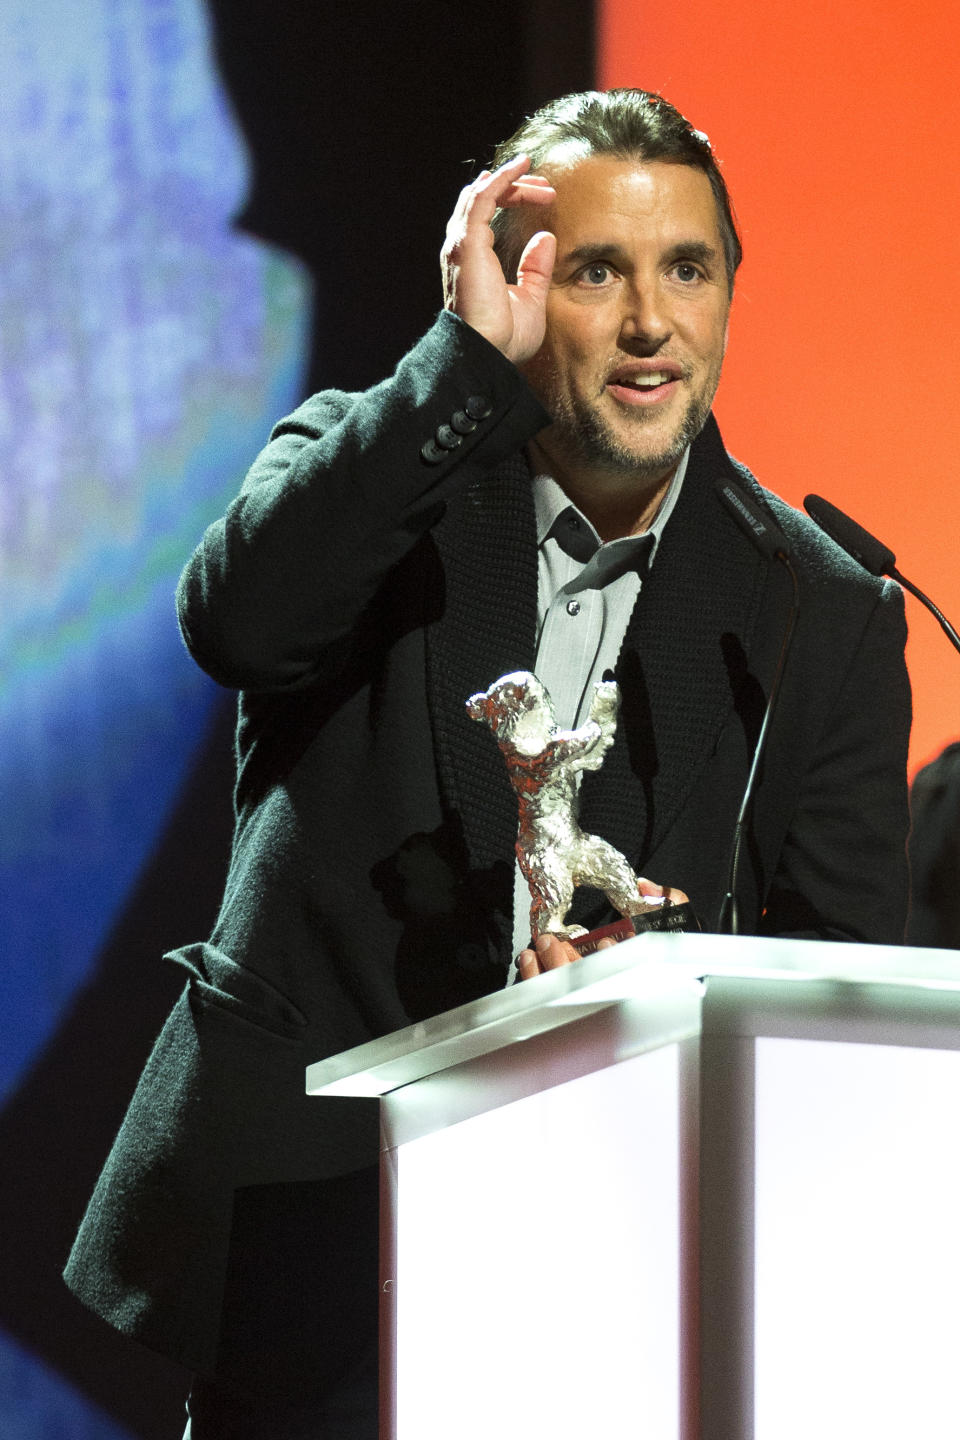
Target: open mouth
(636, 389)
(644, 382)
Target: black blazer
(356, 592)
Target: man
(535, 488)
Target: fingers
(551, 951)
(511, 317)
(549, 954)
(528, 190)
(535, 269)
(507, 187)
(527, 965)
(650, 890)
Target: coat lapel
(487, 627)
(688, 658)
(682, 665)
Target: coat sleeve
(842, 872)
(341, 493)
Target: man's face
(636, 314)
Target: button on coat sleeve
(340, 494)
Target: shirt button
(573, 523)
(573, 607)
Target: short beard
(585, 435)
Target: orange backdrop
(838, 127)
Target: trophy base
(662, 917)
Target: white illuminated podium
(693, 1186)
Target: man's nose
(645, 319)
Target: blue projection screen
(145, 349)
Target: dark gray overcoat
(356, 594)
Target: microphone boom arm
(938, 614)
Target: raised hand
(512, 317)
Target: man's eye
(597, 274)
(687, 272)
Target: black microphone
(771, 542)
(871, 553)
(753, 521)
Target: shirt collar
(554, 511)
